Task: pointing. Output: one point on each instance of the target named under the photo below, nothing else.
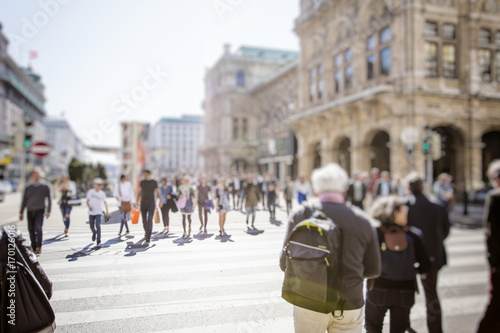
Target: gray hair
(330, 178)
(493, 170)
(383, 208)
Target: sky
(104, 62)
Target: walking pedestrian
(67, 188)
(124, 194)
(168, 204)
(187, 191)
(251, 197)
(491, 319)
(288, 195)
(443, 190)
(95, 199)
(271, 195)
(303, 189)
(37, 200)
(401, 248)
(236, 187)
(360, 259)
(146, 199)
(383, 186)
(203, 196)
(432, 220)
(356, 192)
(223, 206)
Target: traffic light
(426, 145)
(436, 146)
(28, 133)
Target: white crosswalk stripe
(211, 284)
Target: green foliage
(84, 174)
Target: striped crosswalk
(213, 284)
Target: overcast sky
(93, 54)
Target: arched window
(240, 79)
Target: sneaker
(165, 229)
(98, 246)
(119, 234)
(128, 232)
(148, 241)
(93, 237)
(65, 232)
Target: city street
(207, 283)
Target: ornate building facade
(370, 69)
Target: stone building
(369, 69)
(231, 120)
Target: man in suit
(432, 220)
(357, 191)
(382, 186)
(491, 319)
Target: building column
(473, 177)
(360, 158)
(305, 157)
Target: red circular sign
(40, 149)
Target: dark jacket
(350, 191)
(492, 225)
(34, 198)
(432, 220)
(361, 257)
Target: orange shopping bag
(134, 215)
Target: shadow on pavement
(86, 251)
(254, 232)
(224, 238)
(114, 218)
(180, 241)
(202, 236)
(141, 246)
(57, 238)
(275, 222)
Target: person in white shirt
(302, 189)
(124, 193)
(95, 198)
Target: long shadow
(180, 241)
(224, 238)
(160, 235)
(275, 222)
(114, 218)
(254, 232)
(201, 236)
(86, 251)
(133, 248)
(57, 238)
(117, 240)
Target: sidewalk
(473, 220)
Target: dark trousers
(203, 214)
(147, 212)
(95, 226)
(35, 224)
(65, 211)
(123, 221)
(491, 319)
(271, 203)
(236, 199)
(432, 303)
(165, 211)
(288, 206)
(357, 203)
(397, 301)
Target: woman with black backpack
(401, 247)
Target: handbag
(125, 206)
(181, 203)
(73, 200)
(134, 215)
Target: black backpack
(313, 273)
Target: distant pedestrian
(66, 190)
(382, 186)
(146, 198)
(251, 197)
(203, 195)
(356, 192)
(303, 189)
(95, 199)
(222, 205)
(491, 319)
(236, 187)
(124, 194)
(360, 254)
(374, 176)
(443, 190)
(37, 200)
(168, 196)
(288, 195)
(271, 195)
(402, 249)
(432, 220)
(188, 191)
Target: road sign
(40, 149)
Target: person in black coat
(491, 319)
(432, 220)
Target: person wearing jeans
(124, 194)
(67, 188)
(95, 198)
(34, 201)
(146, 199)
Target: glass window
(485, 36)
(321, 87)
(449, 61)
(370, 70)
(497, 38)
(371, 42)
(431, 29)
(338, 78)
(431, 63)
(385, 61)
(348, 77)
(385, 35)
(240, 79)
(348, 55)
(497, 66)
(449, 31)
(245, 128)
(338, 60)
(485, 65)
(235, 128)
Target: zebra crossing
(209, 283)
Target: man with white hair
(34, 200)
(491, 320)
(360, 259)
